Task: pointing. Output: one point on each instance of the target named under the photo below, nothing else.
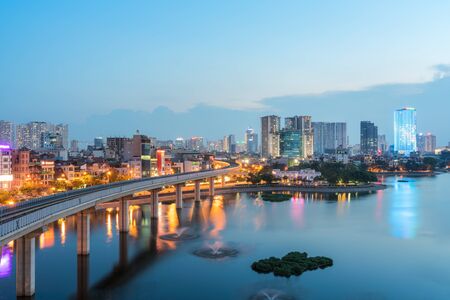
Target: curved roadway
(28, 216)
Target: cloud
(441, 71)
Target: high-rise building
(63, 131)
(426, 143)
(117, 146)
(32, 134)
(304, 125)
(7, 133)
(179, 143)
(329, 136)
(139, 148)
(382, 143)
(195, 143)
(6, 176)
(405, 131)
(291, 143)
(270, 136)
(98, 143)
(29, 135)
(51, 141)
(368, 138)
(229, 143)
(74, 146)
(251, 141)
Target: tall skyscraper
(405, 131)
(368, 138)
(426, 143)
(304, 125)
(229, 142)
(7, 133)
(251, 141)
(270, 136)
(328, 137)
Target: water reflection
(139, 264)
(47, 238)
(82, 276)
(5, 261)
(403, 215)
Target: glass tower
(405, 131)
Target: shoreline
(169, 197)
(407, 174)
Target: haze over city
(203, 59)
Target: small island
(293, 263)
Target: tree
(430, 163)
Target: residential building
(329, 136)
(6, 176)
(7, 133)
(368, 138)
(270, 136)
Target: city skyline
(99, 78)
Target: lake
(392, 244)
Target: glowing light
(5, 262)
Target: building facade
(304, 125)
(270, 136)
(368, 138)
(6, 176)
(7, 133)
(251, 141)
(329, 136)
(426, 143)
(405, 131)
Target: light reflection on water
(365, 235)
(404, 211)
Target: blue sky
(71, 60)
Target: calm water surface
(393, 244)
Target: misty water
(392, 244)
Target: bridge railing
(92, 196)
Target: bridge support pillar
(197, 190)
(154, 204)
(211, 187)
(83, 233)
(123, 214)
(179, 195)
(25, 267)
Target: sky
(69, 61)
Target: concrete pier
(197, 190)
(83, 233)
(25, 266)
(211, 186)
(179, 195)
(124, 221)
(154, 203)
